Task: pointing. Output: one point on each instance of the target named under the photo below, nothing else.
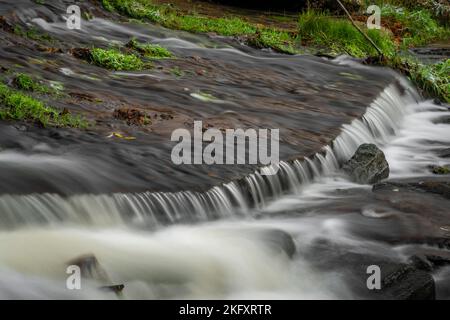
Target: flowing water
(252, 238)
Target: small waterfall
(235, 198)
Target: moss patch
(113, 59)
(26, 82)
(152, 51)
(33, 34)
(15, 105)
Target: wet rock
(399, 281)
(91, 268)
(280, 240)
(438, 187)
(81, 53)
(406, 282)
(132, 116)
(368, 165)
(5, 25)
(443, 120)
(421, 263)
(444, 153)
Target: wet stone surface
(307, 98)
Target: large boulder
(368, 165)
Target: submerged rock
(441, 169)
(398, 281)
(368, 165)
(438, 187)
(444, 153)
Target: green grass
(439, 9)
(419, 25)
(137, 9)
(340, 36)
(152, 51)
(15, 105)
(26, 82)
(113, 59)
(278, 40)
(222, 26)
(169, 17)
(433, 80)
(176, 71)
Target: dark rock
(368, 165)
(5, 25)
(81, 53)
(443, 120)
(439, 187)
(421, 263)
(89, 267)
(408, 283)
(281, 240)
(116, 288)
(276, 240)
(444, 153)
(438, 260)
(399, 281)
(132, 116)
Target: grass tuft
(115, 60)
(26, 82)
(433, 79)
(137, 9)
(18, 106)
(340, 36)
(152, 51)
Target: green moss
(18, 106)
(152, 51)
(441, 170)
(115, 60)
(176, 71)
(433, 79)
(222, 26)
(278, 40)
(137, 9)
(26, 82)
(33, 34)
(340, 36)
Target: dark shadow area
(278, 5)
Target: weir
(233, 199)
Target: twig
(362, 32)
